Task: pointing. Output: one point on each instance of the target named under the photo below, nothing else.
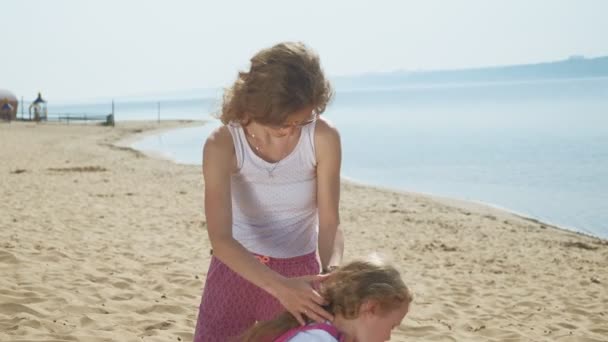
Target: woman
(272, 188)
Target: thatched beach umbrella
(8, 105)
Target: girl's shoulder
(316, 332)
(313, 335)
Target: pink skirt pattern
(230, 304)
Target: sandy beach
(99, 242)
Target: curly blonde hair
(346, 289)
(281, 80)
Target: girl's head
(368, 300)
(285, 86)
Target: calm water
(537, 148)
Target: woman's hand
(299, 297)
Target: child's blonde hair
(281, 80)
(345, 289)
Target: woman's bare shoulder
(219, 145)
(326, 132)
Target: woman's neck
(260, 132)
(268, 144)
(268, 135)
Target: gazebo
(8, 105)
(39, 109)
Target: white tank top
(274, 205)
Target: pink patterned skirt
(231, 304)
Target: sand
(102, 243)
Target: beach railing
(107, 120)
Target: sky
(86, 49)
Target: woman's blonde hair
(281, 80)
(346, 289)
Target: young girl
(272, 185)
(367, 299)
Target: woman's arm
(329, 158)
(296, 294)
(218, 164)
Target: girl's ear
(370, 306)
